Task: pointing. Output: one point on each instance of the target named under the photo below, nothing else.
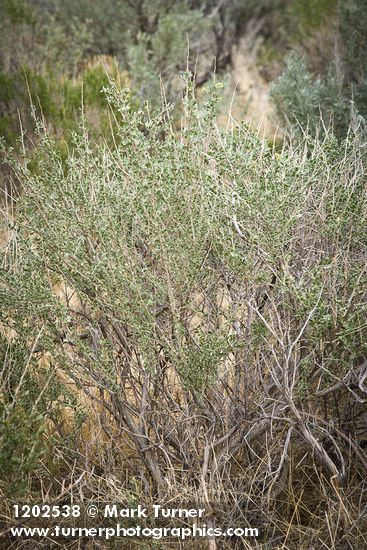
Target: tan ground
(248, 92)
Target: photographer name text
(157, 511)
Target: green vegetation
(199, 260)
(183, 304)
(336, 98)
(314, 103)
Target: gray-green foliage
(312, 102)
(179, 32)
(147, 38)
(31, 401)
(64, 45)
(141, 253)
(144, 228)
(21, 425)
(338, 96)
(352, 25)
(221, 289)
(47, 47)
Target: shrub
(305, 101)
(24, 410)
(221, 301)
(338, 96)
